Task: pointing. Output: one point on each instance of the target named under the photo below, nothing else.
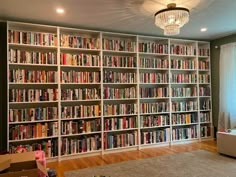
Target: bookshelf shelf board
(155, 98)
(181, 140)
(204, 70)
(204, 96)
(119, 83)
(113, 52)
(204, 83)
(120, 99)
(176, 112)
(78, 84)
(79, 101)
(152, 54)
(205, 110)
(186, 97)
(154, 83)
(32, 85)
(79, 67)
(203, 56)
(154, 69)
(206, 137)
(205, 122)
(178, 125)
(172, 83)
(81, 134)
(120, 130)
(30, 46)
(82, 50)
(35, 103)
(80, 118)
(173, 69)
(32, 139)
(30, 65)
(119, 148)
(155, 127)
(32, 122)
(119, 68)
(121, 115)
(184, 56)
(157, 143)
(52, 159)
(153, 113)
(80, 153)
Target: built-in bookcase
(73, 92)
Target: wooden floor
(85, 162)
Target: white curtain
(227, 109)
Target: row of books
(80, 145)
(178, 49)
(154, 107)
(118, 140)
(78, 41)
(183, 64)
(32, 76)
(184, 78)
(119, 45)
(81, 59)
(205, 104)
(80, 111)
(184, 133)
(156, 92)
(119, 77)
(205, 117)
(204, 91)
(119, 109)
(205, 131)
(153, 47)
(80, 76)
(153, 63)
(80, 94)
(33, 114)
(32, 95)
(153, 77)
(119, 61)
(118, 93)
(50, 147)
(203, 51)
(204, 78)
(204, 64)
(184, 118)
(32, 57)
(184, 105)
(183, 91)
(33, 38)
(120, 123)
(80, 126)
(155, 136)
(154, 120)
(29, 131)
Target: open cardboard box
(21, 164)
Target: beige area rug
(188, 164)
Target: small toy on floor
(52, 172)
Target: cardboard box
(20, 165)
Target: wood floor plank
(97, 160)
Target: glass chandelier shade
(172, 19)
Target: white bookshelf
(112, 91)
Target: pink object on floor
(40, 157)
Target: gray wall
(215, 58)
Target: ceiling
(128, 16)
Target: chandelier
(172, 19)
